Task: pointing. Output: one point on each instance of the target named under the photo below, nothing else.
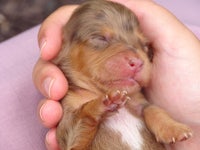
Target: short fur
(105, 59)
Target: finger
(50, 34)
(51, 142)
(50, 80)
(50, 112)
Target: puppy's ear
(145, 44)
(149, 50)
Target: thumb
(50, 33)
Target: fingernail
(47, 85)
(48, 138)
(43, 107)
(47, 141)
(42, 45)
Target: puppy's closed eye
(99, 41)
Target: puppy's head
(103, 46)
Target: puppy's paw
(115, 100)
(174, 132)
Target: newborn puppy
(107, 63)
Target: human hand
(47, 77)
(175, 79)
(175, 66)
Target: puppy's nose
(135, 63)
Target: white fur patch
(129, 127)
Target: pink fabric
(19, 125)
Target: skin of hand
(175, 80)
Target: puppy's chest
(128, 127)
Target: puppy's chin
(126, 84)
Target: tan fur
(101, 40)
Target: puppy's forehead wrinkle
(89, 19)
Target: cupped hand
(47, 77)
(176, 67)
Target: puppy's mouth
(122, 82)
(123, 79)
(129, 84)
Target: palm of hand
(175, 87)
(175, 83)
(175, 80)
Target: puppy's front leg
(166, 129)
(84, 122)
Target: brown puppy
(105, 59)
